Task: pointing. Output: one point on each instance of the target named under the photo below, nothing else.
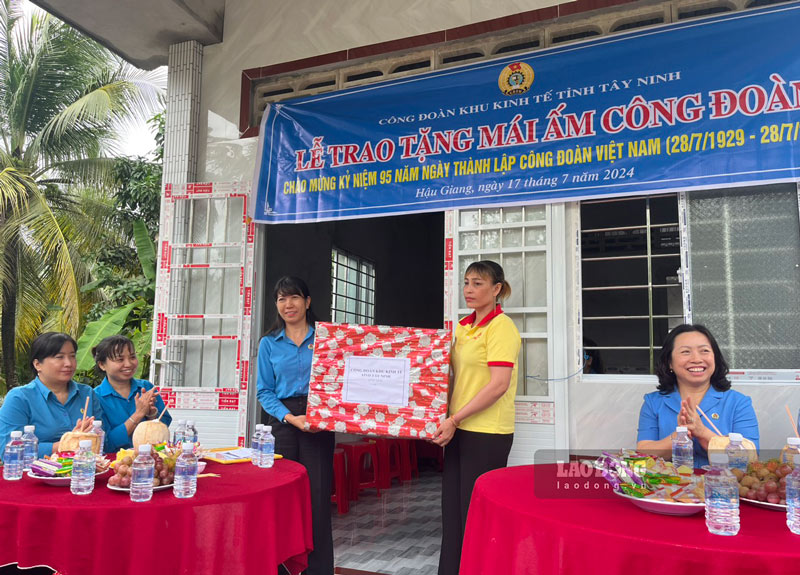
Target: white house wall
(261, 33)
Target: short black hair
(48, 345)
(291, 285)
(667, 382)
(111, 347)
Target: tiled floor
(396, 534)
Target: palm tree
(64, 101)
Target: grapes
(163, 465)
(765, 481)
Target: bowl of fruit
(764, 484)
(164, 475)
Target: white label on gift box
(376, 380)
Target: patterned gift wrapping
(429, 353)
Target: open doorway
(406, 254)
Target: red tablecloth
(512, 531)
(246, 522)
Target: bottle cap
(29, 428)
(260, 427)
(797, 461)
(795, 441)
(16, 434)
(735, 437)
(181, 422)
(268, 428)
(681, 429)
(85, 443)
(718, 458)
(144, 448)
(190, 423)
(187, 446)
(97, 423)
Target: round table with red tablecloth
(521, 521)
(249, 520)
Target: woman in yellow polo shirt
(480, 428)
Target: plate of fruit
(164, 458)
(764, 484)
(56, 470)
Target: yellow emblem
(516, 78)
(715, 416)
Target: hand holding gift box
(379, 380)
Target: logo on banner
(516, 78)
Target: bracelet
(453, 419)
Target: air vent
(364, 75)
(703, 12)
(412, 66)
(519, 46)
(277, 92)
(574, 36)
(639, 24)
(759, 3)
(324, 84)
(461, 57)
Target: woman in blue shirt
(284, 371)
(692, 372)
(126, 401)
(52, 402)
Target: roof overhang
(141, 32)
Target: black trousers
(315, 452)
(468, 456)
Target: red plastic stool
(389, 461)
(412, 456)
(340, 496)
(356, 452)
(405, 459)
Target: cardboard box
(352, 362)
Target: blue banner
(701, 104)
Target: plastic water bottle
(82, 481)
(97, 429)
(722, 497)
(682, 449)
(30, 447)
(143, 470)
(737, 454)
(13, 457)
(793, 498)
(791, 449)
(185, 473)
(255, 445)
(180, 433)
(267, 448)
(191, 432)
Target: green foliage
(110, 324)
(64, 101)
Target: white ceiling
(143, 30)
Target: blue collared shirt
(730, 411)
(118, 409)
(35, 404)
(284, 370)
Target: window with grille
(630, 268)
(352, 287)
(745, 265)
(518, 239)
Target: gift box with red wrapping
(428, 355)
